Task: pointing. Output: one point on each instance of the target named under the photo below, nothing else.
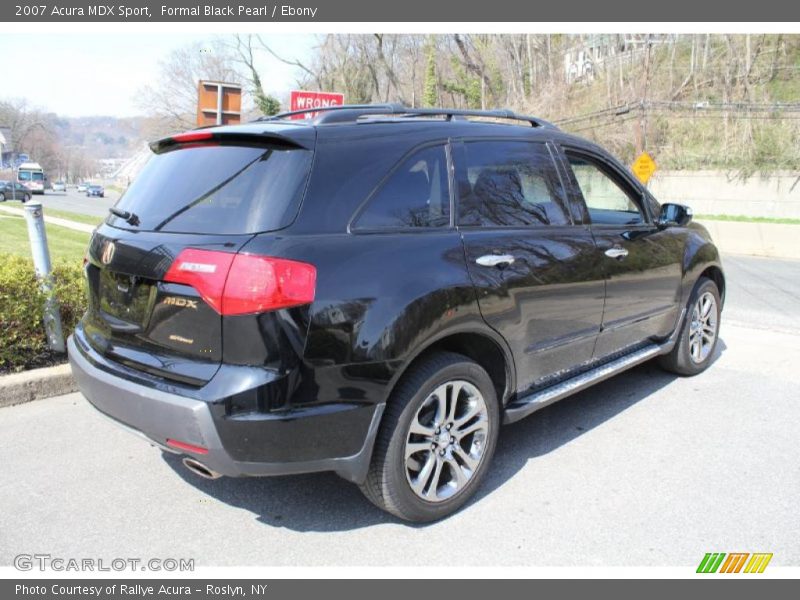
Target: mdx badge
(184, 302)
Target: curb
(36, 384)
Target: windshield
(217, 189)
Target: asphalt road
(763, 293)
(72, 201)
(644, 469)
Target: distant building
(8, 158)
(5, 139)
(109, 166)
(594, 52)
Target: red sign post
(303, 100)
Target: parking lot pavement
(75, 202)
(763, 292)
(643, 469)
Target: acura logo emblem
(108, 252)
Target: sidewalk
(52, 220)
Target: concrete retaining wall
(721, 193)
(757, 239)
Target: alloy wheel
(703, 328)
(446, 441)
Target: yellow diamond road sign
(644, 167)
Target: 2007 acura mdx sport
(375, 290)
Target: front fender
(700, 253)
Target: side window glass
(607, 202)
(509, 184)
(416, 195)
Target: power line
(622, 113)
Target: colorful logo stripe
(714, 562)
(758, 563)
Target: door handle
(617, 252)
(495, 260)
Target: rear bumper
(160, 415)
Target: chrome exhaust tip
(200, 469)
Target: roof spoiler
(199, 137)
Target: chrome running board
(526, 405)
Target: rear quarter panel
(380, 299)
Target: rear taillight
(238, 284)
(191, 136)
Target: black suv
(374, 290)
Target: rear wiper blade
(128, 217)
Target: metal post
(41, 263)
(219, 103)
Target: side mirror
(673, 215)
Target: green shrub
(23, 343)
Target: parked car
(59, 186)
(96, 190)
(13, 190)
(376, 290)
(82, 187)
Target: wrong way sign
(305, 100)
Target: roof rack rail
(353, 112)
(450, 113)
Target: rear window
(415, 196)
(217, 189)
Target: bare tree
(245, 53)
(22, 121)
(172, 100)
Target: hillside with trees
(68, 147)
(693, 101)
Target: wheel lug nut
(438, 431)
(452, 440)
(449, 425)
(441, 453)
(433, 446)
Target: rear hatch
(158, 266)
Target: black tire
(680, 359)
(388, 482)
(2, 197)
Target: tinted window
(509, 184)
(607, 201)
(415, 195)
(217, 189)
